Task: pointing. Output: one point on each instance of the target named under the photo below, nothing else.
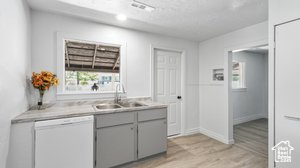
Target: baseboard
(192, 131)
(215, 136)
(247, 118)
(230, 141)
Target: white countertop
(80, 108)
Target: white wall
(250, 104)
(280, 11)
(213, 108)
(45, 26)
(14, 66)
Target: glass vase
(40, 99)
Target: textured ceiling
(190, 19)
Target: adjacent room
(149, 84)
(250, 99)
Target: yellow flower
(48, 79)
(44, 80)
(56, 82)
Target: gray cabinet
(107, 120)
(128, 136)
(152, 132)
(115, 143)
(153, 114)
(152, 137)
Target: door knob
(178, 97)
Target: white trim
(174, 136)
(192, 131)
(247, 119)
(81, 96)
(228, 82)
(212, 84)
(60, 62)
(216, 136)
(271, 95)
(183, 77)
(239, 89)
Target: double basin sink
(118, 105)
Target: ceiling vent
(142, 6)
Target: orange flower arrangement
(44, 80)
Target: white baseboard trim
(230, 141)
(206, 132)
(247, 118)
(186, 133)
(192, 131)
(215, 136)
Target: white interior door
(167, 86)
(287, 89)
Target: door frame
(227, 84)
(183, 77)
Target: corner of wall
(215, 136)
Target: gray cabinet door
(152, 137)
(115, 145)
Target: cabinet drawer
(152, 114)
(107, 120)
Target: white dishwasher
(65, 143)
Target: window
(238, 75)
(91, 67)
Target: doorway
(167, 85)
(249, 97)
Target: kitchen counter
(80, 108)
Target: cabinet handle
(131, 128)
(291, 117)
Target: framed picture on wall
(217, 76)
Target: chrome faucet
(117, 96)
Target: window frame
(61, 94)
(242, 86)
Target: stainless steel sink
(107, 106)
(117, 105)
(131, 104)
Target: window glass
(90, 81)
(91, 67)
(238, 74)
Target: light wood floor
(200, 151)
(253, 136)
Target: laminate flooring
(200, 151)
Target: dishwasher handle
(63, 121)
